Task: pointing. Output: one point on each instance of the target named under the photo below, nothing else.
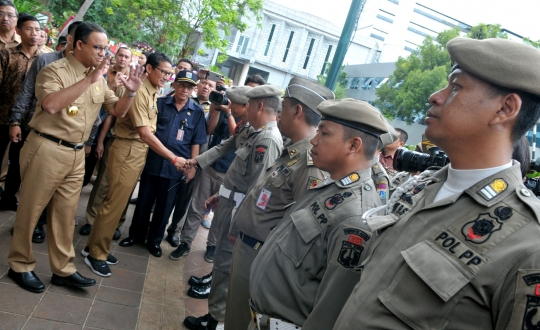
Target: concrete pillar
(243, 74)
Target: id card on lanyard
(180, 134)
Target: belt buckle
(78, 146)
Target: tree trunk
(82, 11)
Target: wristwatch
(227, 115)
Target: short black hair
(72, 27)
(7, 3)
(522, 154)
(146, 54)
(23, 18)
(256, 79)
(84, 30)
(156, 58)
(312, 118)
(403, 136)
(185, 60)
(123, 47)
(528, 114)
(369, 141)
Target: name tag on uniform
(180, 135)
(264, 198)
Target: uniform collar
(79, 68)
(114, 72)
(148, 85)
(16, 39)
(190, 104)
(196, 99)
(267, 125)
(295, 149)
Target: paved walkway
(144, 292)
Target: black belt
(55, 140)
(252, 242)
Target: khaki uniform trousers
(217, 300)
(126, 162)
(51, 175)
(206, 185)
(237, 314)
(101, 188)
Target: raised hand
(99, 71)
(134, 80)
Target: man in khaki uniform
(69, 95)
(8, 22)
(322, 237)
(258, 146)
(283, 184)
(463, 250)
(127, 155)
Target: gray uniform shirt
(256, 151)
(284, 183)
(321, 236)
(468, 261)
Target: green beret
(390, 137)
(237, 94)
(308, 92)
(502, 62)
(355, 114)
(264, 91)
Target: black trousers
(163, 192)
(182, 202)
(13, 177)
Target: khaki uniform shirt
(256, 151)
(283, 184)
(10, 44)
(143, 112)
(320, 240)
(62, 74)
(468, 261)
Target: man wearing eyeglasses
(127, 156)
(8, 21)
(180, 127)
(70, 93)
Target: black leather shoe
(75, 279)
(154, 249)
(128, 241)
(27, 280)
(116, 235)
(199, 291)
(85, 230)
(133, 200)
(206, 279)
(206, 322)
(173, 240)
(39, 234)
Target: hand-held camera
(412, 161)
(218, 98)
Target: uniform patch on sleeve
(312, 182)
(526, 314)
(260, 151)
(353, 243)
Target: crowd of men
(305, 233)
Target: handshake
(183, 164)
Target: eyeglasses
(99, 49)
(165, 73)
(10, 15)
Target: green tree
(405, 94)
(341, 85)
(31, 7)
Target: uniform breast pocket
(98, 97)
(241, 166)
(297, 245)
(278, 180)
(422, 290)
